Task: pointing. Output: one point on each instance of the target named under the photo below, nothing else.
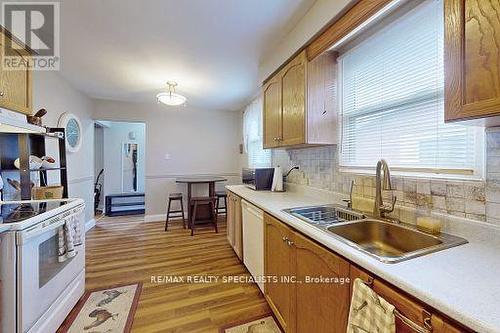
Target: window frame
(476, 173)
(257, 141)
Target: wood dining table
(190, 181)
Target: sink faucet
(379, 210)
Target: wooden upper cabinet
(278, 262)
(272, 114)
(472, 59)
(299, 103)
(322, 99)
(356, 15)
(293, 82)
(15, 85)
(320, 307)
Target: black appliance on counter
(258, 179)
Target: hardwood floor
(126, 250)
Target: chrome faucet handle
(349, 201)
(389, 209)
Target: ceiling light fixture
(171, 97)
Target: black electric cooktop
(17, 212)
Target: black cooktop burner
(17, 212)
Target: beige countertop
(462, 282)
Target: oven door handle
(42, 228)
(24, 236)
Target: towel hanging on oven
(69, 235)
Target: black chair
(175, 213)
(195, 204)
(218, 209)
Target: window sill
(408, 174)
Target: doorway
(119, 168)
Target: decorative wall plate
(73, 129)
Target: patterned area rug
(108, 310)
(264, 324)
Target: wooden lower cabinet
(278, 263)
(302, 305)
(411, 308)
(229, 219)
(234, 227)
(441, 325)
(320, 306)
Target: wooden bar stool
(175, 213)
(218, 209)
(195, 204)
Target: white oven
(43, 284)
(41, 277)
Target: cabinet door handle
(289, 242)
(427, 320)
(284, 239)
(368, 282)
(1, 93)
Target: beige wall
(198, 142)
(56, 95)
(315, 19)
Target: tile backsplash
(475, 200)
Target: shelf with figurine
(33, 165)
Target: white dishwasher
(253, 241)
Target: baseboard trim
(89, 224)
(155, 217)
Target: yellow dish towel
(369, 313)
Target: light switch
(167, 156)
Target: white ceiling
(127, 49)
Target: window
(252, 135)
(392, 103)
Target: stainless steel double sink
(386, 241)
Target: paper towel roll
(277, 185)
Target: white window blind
(392, 98)
(252, 133)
